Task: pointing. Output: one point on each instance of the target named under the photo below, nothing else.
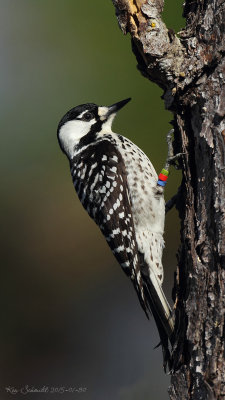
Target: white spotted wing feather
(104, 193)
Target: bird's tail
(162, 313)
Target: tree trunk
(190, 69)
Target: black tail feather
(162, 322)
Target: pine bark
(191, 71)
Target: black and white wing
(99, 177)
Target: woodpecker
(119, 188)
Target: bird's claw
(171, 158)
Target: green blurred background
(70, 317)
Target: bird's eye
(87, 116)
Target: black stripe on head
(91, 136)
(78, 112)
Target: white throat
(107, 125)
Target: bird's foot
(171, 203)
(171, 158)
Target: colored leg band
(163, 176)
(161, 183)
(165, 172)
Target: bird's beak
(117, 106)
(105, 112)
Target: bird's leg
(163, 176)
(170, 154)
(171, 203)
(171, 158)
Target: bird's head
(81, 124)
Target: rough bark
(190, 69)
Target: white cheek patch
(71, 133)
(102, 111)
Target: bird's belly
(147, 200)
(148, 211)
